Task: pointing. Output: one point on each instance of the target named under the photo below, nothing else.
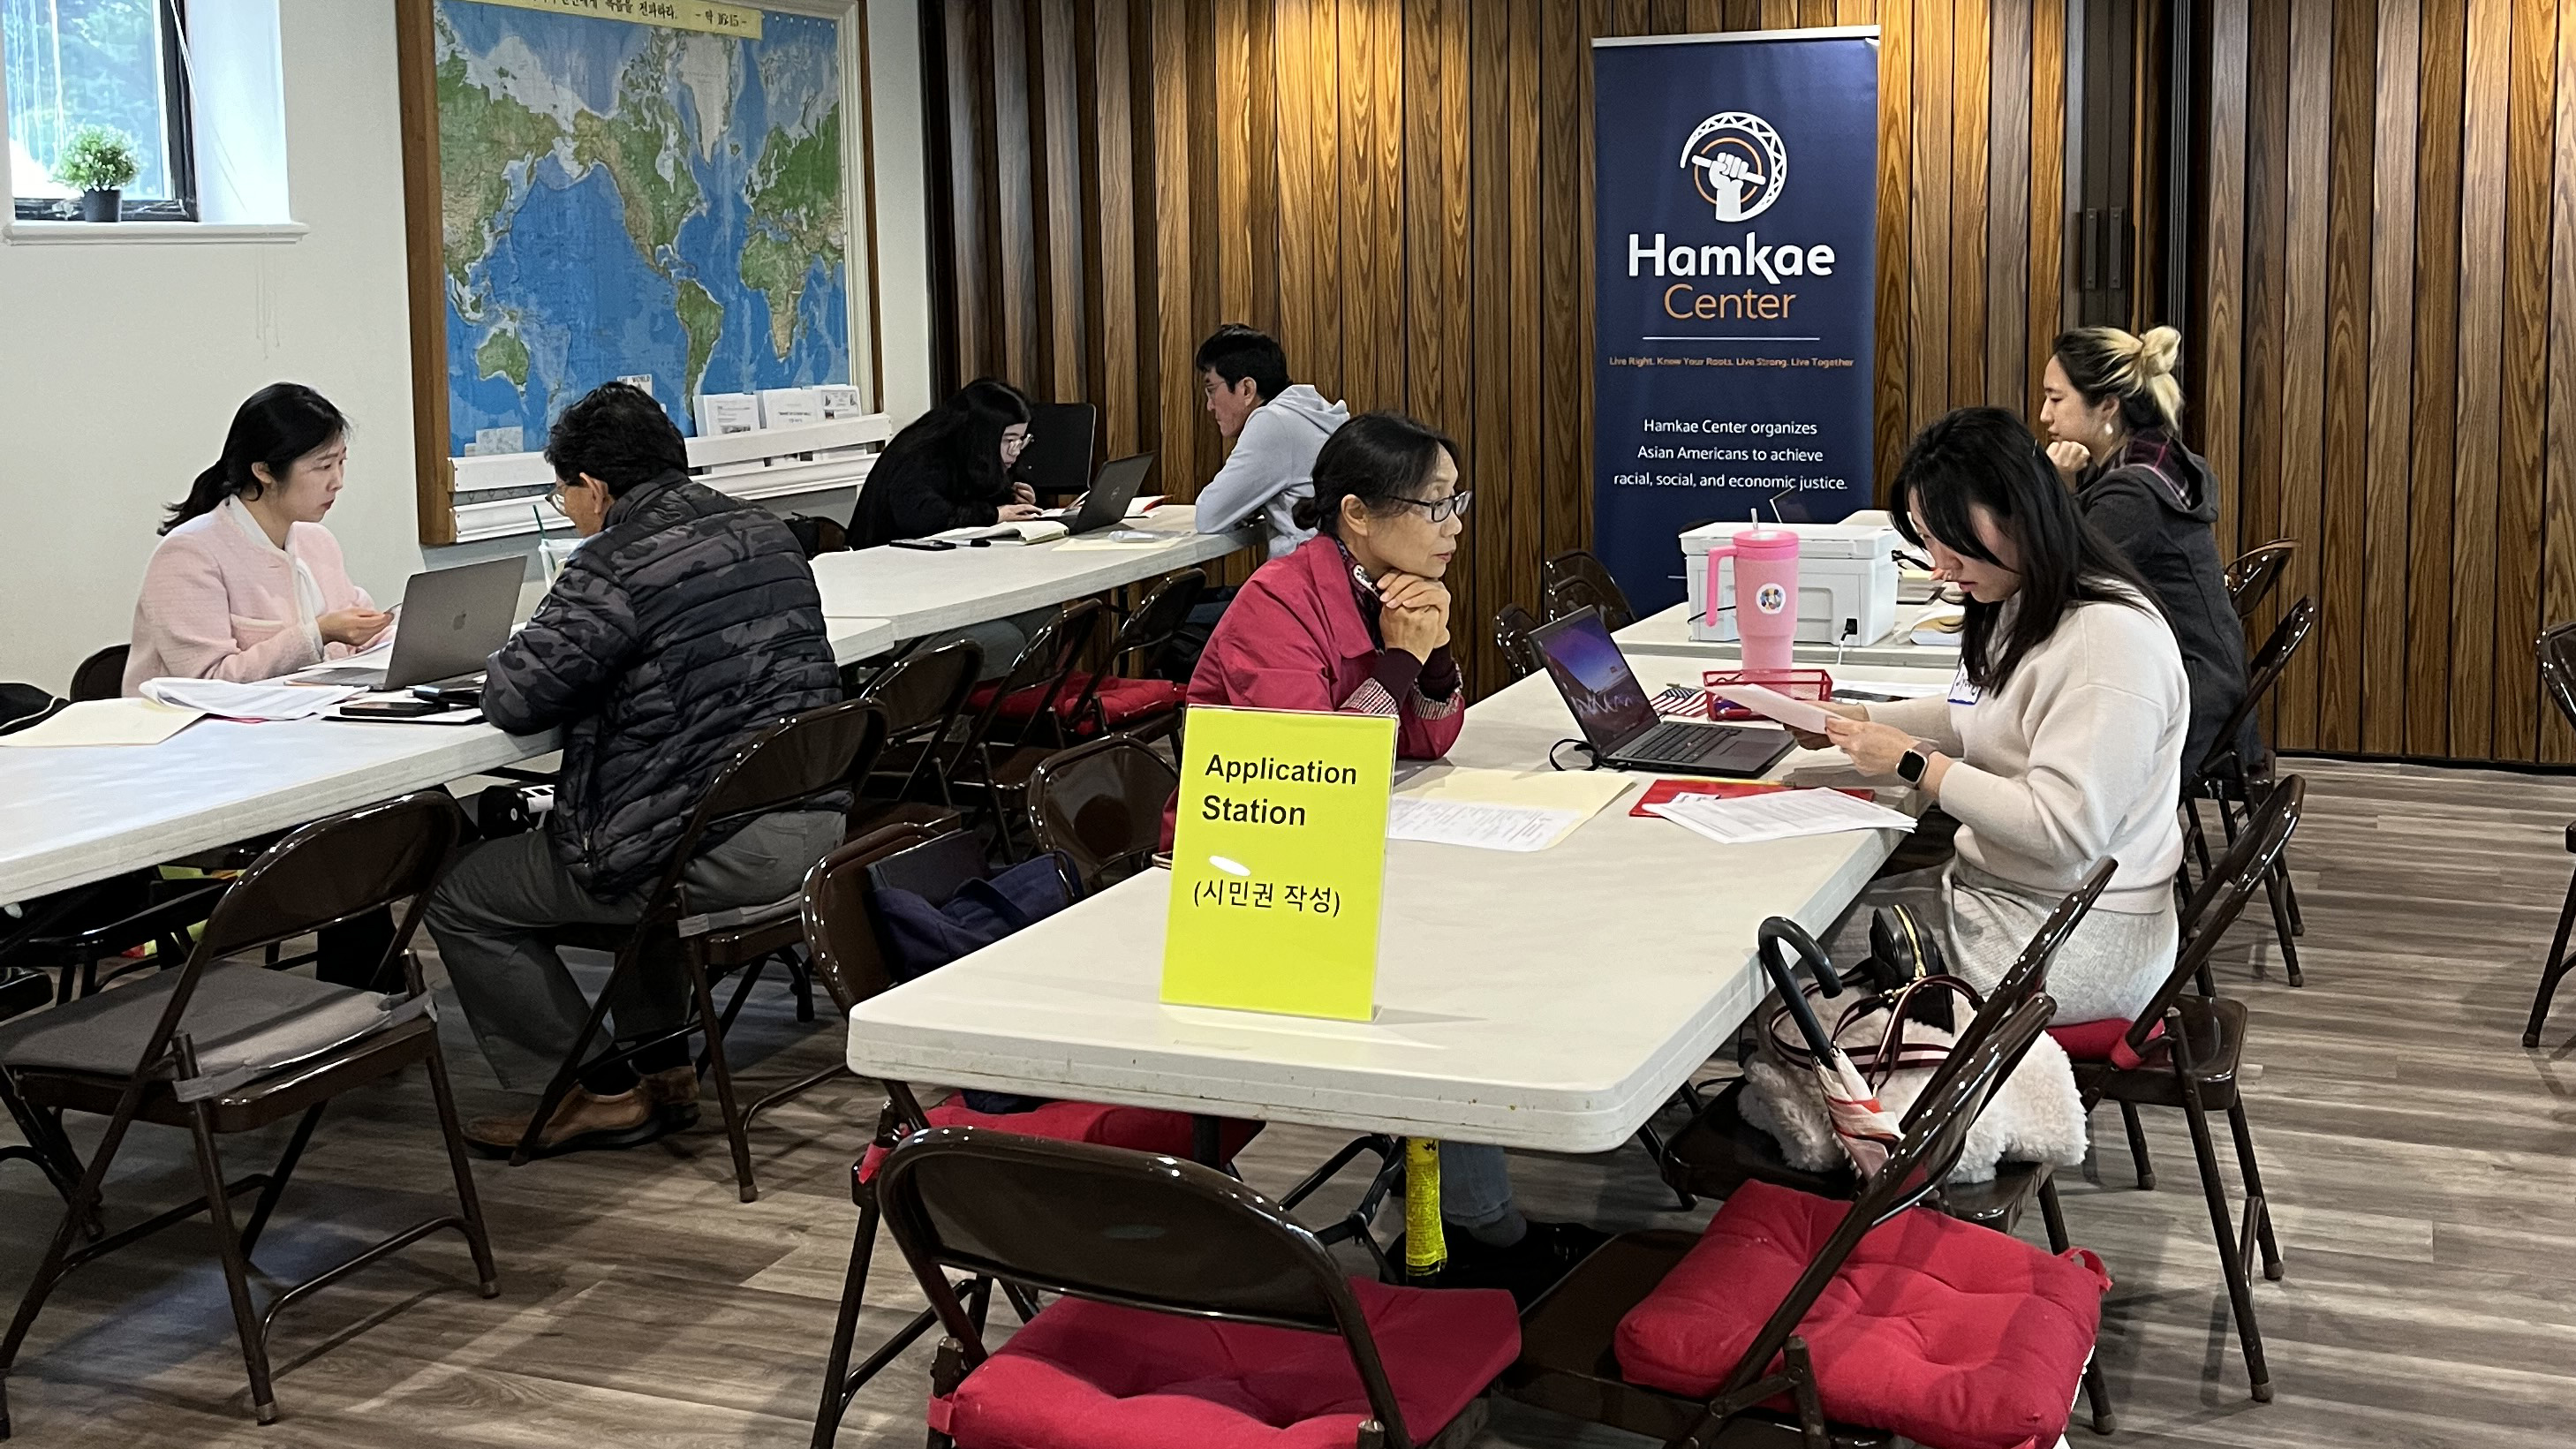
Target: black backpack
(22, 705)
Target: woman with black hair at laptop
(1356, 621)
(2060, 741)
(950, 468)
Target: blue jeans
(1475, 1184)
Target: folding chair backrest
(2251, 578)
(2223, 894)
(840, 929)
(1919, 1164)
(1043, 666)
(2025, 978)
(102, 675)
(1512, 626)
(1130, 1228)
(1576, 580)
(1102, 805)
(792, 762)
(334, 869)
(922, 695)
(2558, 668)
(1152, 627)
(2261, 674)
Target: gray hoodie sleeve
(1262, 465)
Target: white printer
(1846, 580)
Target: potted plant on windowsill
(102, 161)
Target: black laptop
(1105, 506)
(1625, 731)
(1057, 460)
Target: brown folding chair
(219, 1047)
(2238, 786)
(1101, 804)
(799, 761)
(1129, 1238)
(1016, 723)
(102, 675)
(2252, 577)
(1568, 1360)
(1512, 626)
(2557, 650)
(1142, 707)
(1576, 581)
(921, 696)
(1720, 1151)
(2184, 1051)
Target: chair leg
(2138, 1147)
(219, 1210)
(570, 1068)
(478, 1240)
(735, 1136)
(2276, 884)
(2231, 1260)
(800, 979)
(1653, 1141)
(2258, 1209)
(838, 1383)
(2097, 1392)
(2556, 967)
(277, 1176)
(81, 1208)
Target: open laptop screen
(1595, 679)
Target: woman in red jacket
(1356, 621)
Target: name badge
(1961, 691)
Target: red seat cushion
(1086, 1375)
(1138, 1129)
(1953, 1335)
(1124, 701)
(2102, 1041)
(1120, 699)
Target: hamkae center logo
(1738, 163)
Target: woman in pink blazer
(247, 584)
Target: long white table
(1669, 633)
(1551, 1000)
(923, 592)
(72, 816)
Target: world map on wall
(624, 200)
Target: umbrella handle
(1782, 929)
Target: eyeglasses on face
(1442, 509)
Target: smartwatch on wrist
(1911, 765)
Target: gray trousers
(525, 1007)
(1475, 1184)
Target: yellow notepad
(106, 722)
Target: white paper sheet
(1797, 714)
(248, 701)
(105, 722)
(1780, 815)
(1476, 824)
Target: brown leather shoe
(581, 1122)
(674, 1094)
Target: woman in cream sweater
(2060, 741)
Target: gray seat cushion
(246, 1022)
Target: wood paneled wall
(2390, 217)
(1401, 192)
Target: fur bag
(2036, 1116)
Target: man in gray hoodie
(1277, 428)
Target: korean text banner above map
(1279, 862)
(1735, 288)
(625, 197)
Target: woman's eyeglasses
(1443, 509)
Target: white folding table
(75, 815)
(1551, 1000)
(924, 592)
(1669, 633)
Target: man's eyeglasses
(1443, 509)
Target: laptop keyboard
(1681, 744)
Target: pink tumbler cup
(1766, 594)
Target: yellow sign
(736, 20)
(1279, 862)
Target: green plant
(98, 158)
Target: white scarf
(308, 590)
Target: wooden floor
(2423, 1163)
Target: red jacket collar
(1317, 578)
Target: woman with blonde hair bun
(2112, 408)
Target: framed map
(656, 190)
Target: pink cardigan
(220, 601)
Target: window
(121, 63)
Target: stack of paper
(1035, 530)
(227, 700)
(106, 722)
(1782, 815)
(1940, 627)
(1515, 810)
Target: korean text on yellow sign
(1279, 862)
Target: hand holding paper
(1874, 748)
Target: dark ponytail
(280, 423)
(1377, 458)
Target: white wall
(121, 362)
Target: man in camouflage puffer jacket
(685, 622)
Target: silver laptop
(1105, 506)
(452, 620)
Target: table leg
(1426, 1245)
(1205, 1147)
